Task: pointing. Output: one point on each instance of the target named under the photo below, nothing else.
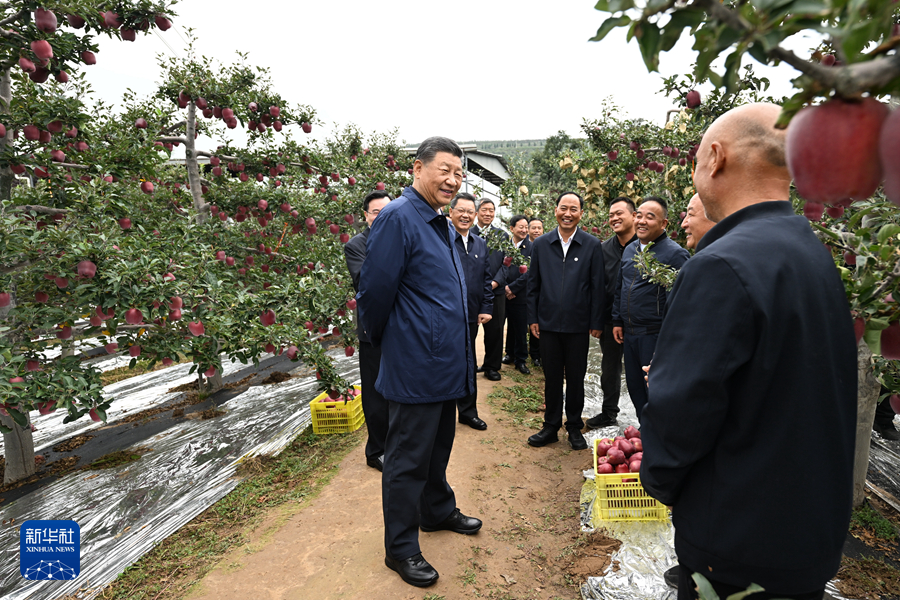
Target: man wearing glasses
(473, 254)
(375, 407)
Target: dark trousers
(517, 332)
(564, 356)
(414, 488)
(534, 347)
(610, 371)
(466, 404)
(638, 352)
(493, 335)
(884, 414)
(375, 407)
(687, 591)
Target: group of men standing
(754, 338)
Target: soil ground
(530, 546)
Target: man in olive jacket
(565, 307)
(750, 425)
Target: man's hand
(619, 335)
(535, 330)
(596, 333)
(509, 294)
(484, 318)
(647, 376)
(494, 285)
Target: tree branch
(12, 19)
(44, 210)
(276, 254)
(171, 128)
(72, 166)
(165, 138)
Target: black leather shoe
(543, 437)
(671, 577)
(536, 362)
(887, 431)
(507, 360)
(523, 368)
(492, 374)
(479, 369)
(456, 522)
(576, 440)
(414, 570)
(376, 463)
(601, 420)
(474, 423)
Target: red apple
(175, 314)
(42, 49)
(5, 299)
(166, 361)
(162, 22)
(64, 333)
(45, 20)
(61, 282)
(111, 347)
(605, 469)
(176, 302)
(147, 187)
(523, 268)
(133, 316)
(196, 328)
(134, 351)
(210, 372)
(692, 98)
(852, 130)
(859, 328)
(41, 297)
(94, 415)
(88, 58)
(125, 223)
(379, 186)
(306, 127)
(351, 303)
(890, 341)
(889, 152)
(87, 269)
(267, 318)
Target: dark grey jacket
(566, 293)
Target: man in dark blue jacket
(375, 408)
(516, 304)
(412, 302)
(473, 254)
(565, 308)
(758, 339)
(493, 329)
(640, 305)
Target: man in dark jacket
(473, 255)
(375, 408)
(516, 305)
(565, 308)
(621, 220)
(493, 329)
(758, 338)
(412, 302)
(640, 305)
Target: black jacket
(518, 282)
(479, 295)
(566, 293)
(495, 259)
(355, 255)
(640, 305)
(750, 425)
(612, 261)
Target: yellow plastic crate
(336, 416)
(620, 500)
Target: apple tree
(842, 139)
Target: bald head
(741, 161)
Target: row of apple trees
(234, 252)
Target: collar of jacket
(576, 237)
(762, 210)
(427, 213)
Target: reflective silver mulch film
(124, 512)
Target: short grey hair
(484, 201)
(430, 148)
(463, 196)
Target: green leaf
(20, 418)
(4, 429)
(648, 39)
(768, 5)
(704, 588)
(873, 339)
(876, 324)
(619, 5)
(608, 25)
(888, 231)
(858, 38)
(754, 588)
(686, 17)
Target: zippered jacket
(639, 305)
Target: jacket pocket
(437, 332)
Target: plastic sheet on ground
(130, 395)
(124, 512)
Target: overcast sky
(485, 69)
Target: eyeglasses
(460, 211)
(374, 213)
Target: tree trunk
(190, 163)
(19, 443)
(866, 402)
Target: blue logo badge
(49, 550)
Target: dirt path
(530, 545)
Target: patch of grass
(523, 402)
(114, 459)
(296, 475)
(867, 517)
(142, 366)
(468, 578)
(430, 596)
